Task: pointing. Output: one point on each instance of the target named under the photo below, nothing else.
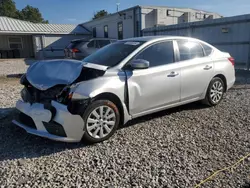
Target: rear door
(196, 69)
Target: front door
(159, 85)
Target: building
(23, 39)
(230, 34)
(130, 22)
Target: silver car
(81, 48)
(67, 100)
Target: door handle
(173, 74)
(207, 67)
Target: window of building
(15, 43)
(120, 31)
(158, 54)
(189, 50)
(106, 33)
(168, 13)
(94, 32)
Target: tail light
(75, 50)
(231, 59)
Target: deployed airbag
(46, 74)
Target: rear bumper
(230, 84)
(72, 124)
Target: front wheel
(215, 92)
(101, 121)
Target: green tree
(31, 14)
(100, 14)
(8, 8)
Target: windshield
(113, 54)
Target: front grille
(27, 120)
(55, 128)
(32, 95)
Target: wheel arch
(223, 78)
(113, 98)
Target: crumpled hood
(46, 74)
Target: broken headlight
(24, 80)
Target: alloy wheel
(216, 92)
(101, 122)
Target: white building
(130, 22)
(23, 39)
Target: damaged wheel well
(113, 98)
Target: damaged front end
(46, 106)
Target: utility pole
(117, 5)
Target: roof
(96, 38)
(112, 14)
(11, 25)
(198, 10)
(158, 38)
(147, 7)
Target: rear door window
(103, 43)
(189, 50)
(207, 49)
(91, 44)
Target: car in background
(81, 48)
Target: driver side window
(158, 54)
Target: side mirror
(139, 64)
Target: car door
(153, 88)
(196, 69)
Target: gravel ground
(14, 66)
(174, 148)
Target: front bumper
(72, 124)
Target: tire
(97, 128)
(215, 92)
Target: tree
(31, 14)
(100, 14)
(8, 8)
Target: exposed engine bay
(44, 91)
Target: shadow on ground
(191, 106)
(15, 143)
(247, 185)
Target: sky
(79, 11)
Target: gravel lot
(174, 148)
(10, 67)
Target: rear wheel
(215, 92)
(101, 121)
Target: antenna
(117, 5)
